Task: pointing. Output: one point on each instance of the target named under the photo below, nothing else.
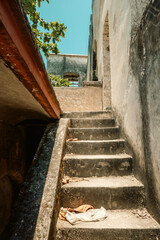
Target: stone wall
(63, 63)
(134, 41)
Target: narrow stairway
(99, 156)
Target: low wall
(80, 99)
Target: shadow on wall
(18, 145)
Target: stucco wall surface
(79, 99)
(124, 88)
(62, 63)
(145, 60)
(134, 41)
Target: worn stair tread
(117, 219)
(93, 119)
(97, 147)
(97, 157)
(97, 165)
(101, 133)
(105, 182)
(92, 122)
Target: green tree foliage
(57, 81)
(52, 32)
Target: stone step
(94, 133)
(97, 165)
(109, 192)
(99, 114)
(95, 147)
(119, 225)
(92, 123)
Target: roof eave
(21, 53)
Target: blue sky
(75, 14)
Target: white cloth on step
(92, 215)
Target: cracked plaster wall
(134, 65)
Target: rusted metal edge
(21, 53)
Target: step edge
(107, 111)
(67, 186)
(97, 141)
(72, 227)
(137, 184)
(100, 128)
(104, 157)
(93, 119)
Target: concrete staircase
(99, 156)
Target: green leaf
(57, 81)
(52, 31)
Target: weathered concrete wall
(124, 87)
(134, 65)
(123, 91)
(80, 99)
(63, 63)
(145, 61)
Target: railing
(73, 84)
